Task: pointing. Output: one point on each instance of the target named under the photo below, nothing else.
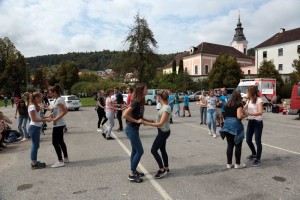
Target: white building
(282, 49)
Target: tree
(180, 68)
(40, 79)
(141, 41)
(67, 74)
(88, 77)
(267, 70)
(12, 68)
(226, 72)
(296, 66)
(251, 52)
(174, 66)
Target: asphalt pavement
(98, 168)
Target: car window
(73, 98)
(149, 92)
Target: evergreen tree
(141, 41)
(174, 66)
(267, 70)
(296, 73)
(180, 69)
(67, 74)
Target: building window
(298, 49)
(206, 69)
(280, 52)
(280, 67)
(264, 54)
(196, 69)
(249, 72)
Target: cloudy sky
(39, 27)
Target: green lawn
(2, 103)
(88, 102)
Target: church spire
(239, 35)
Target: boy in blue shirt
(186, 103)
(171, 104)
(223, 100)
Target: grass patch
(88, 102)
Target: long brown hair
(235, 99)
(35, 95)
(55, 88)
(253, 92)
(164, 94)
(139, 93)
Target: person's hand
(48, 119)
(140, 121)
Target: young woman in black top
(233, 129)
(101, 111)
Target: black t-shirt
(137, 112)
(119, 98)
(231, 111)
(102, 103)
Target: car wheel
(149, 102)
(76, 109)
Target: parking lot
(99, 168)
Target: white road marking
(154, 183)
(268, 145)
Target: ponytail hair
(56, 88)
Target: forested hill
(95, 61)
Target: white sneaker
(240, 166)
(58, 164)
(99, 130)
(210, 133)
(66, 160)
(214, 135)
(229, 166)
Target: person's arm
(246, 106)
(7, 120)
(35, 119)
(163, 120)
(127, 116)
(240, 113)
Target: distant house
(282, 49)
(198, 61)
(107, 73)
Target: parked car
(295, 100)
(150, 98)
(72, 102)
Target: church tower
(239, 41)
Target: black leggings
(101, 115)
(58, 142)
(230, 146)
(160, 143)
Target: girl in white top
(35, 129)
(59, 111)
(212, 113)
(110, 114)
(254, 107)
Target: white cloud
(38, 27)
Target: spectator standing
(177, 103)
(5, 101)
(219, 108)
(254, 107)
(171, 104)
(212, 113)
(22, 110)
(186, 103)
(120, 104)
(129, 97)
(233, 130)
(12, 99)
(203, 108)
(101, 111)
(222, 101)
(110, 112)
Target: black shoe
(205, 123)
(256, 163)
(135, 178)
(120, 129)
(189, 115)
(110, 138)
(251, 157)
(38, 165)
(201, 123)
(168, 170)
(104, 135)
(2, 145)
(140, 174)
(171, 121)
(160, 174)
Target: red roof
(279, 38)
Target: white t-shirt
(57, 111)
(211, 102)
(37, 115)
(109, 103)
(253, 108)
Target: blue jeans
(136, 145)
(212, 119)
(160, 143)
(178, 110)
(110, 116)
(34, 132)
(255, 127)
(22, 126)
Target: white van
(150, 98)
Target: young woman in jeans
(101, 111)
(163, 126)
(110, 114)
(212, 113)
(254, 107)
(203, 108)
(134, 117)
(233, 130)
(22, 110)
(35, 128)
(59, 111)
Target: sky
(41, 27)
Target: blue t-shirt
(171, 98)
(224, 100)
(186, 100)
